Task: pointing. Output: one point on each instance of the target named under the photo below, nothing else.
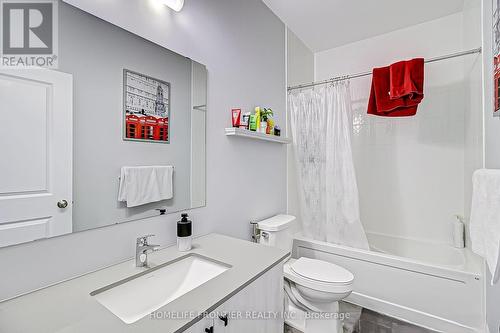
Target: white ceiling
(324, 24)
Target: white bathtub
(431, 285)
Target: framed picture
(496, 57)
(146, 108)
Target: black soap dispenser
(184, 233)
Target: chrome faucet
(255, 232)
(142, 249)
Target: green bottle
(253, 123)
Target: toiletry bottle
(253, 123)
(245, 121)
(270, 126)
(236, 117)
(257, 116)
(184, 233)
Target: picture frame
(146, 108)
(496, 57)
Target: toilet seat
(318, 275)
(323, 271)
(296, 298)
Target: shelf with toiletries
(233, 131)
(258, 125)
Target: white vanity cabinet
(249, 291)
(256, 308)
(202, 326)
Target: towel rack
(352, 76)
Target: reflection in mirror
(116, 133)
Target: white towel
(145, 184)
(485, 218)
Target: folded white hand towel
(145, 184)
(485, 218)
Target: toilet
(313, 288)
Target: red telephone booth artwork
(148, 127)
(497, 84)
(147, 108)
(133, 127)
(162, 129)
(496, 56)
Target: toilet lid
(321, 271)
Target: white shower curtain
(328, 194)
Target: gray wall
(300, 61)
(243, 45)
(96, 62)
(300, 69)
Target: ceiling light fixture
(174, 4)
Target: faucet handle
(143, 240)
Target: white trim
(287, 154)
(409, 315)
(485, 54)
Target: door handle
(62, 204)
(209, 330)
(224, 319)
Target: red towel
(407, 79)
(397, 89)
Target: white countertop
(68, 307)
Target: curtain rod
(352, 76)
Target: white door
(36, 115)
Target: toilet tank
(277, 231)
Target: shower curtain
(328, 194)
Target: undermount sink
(133, 298)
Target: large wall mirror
(116, 133)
